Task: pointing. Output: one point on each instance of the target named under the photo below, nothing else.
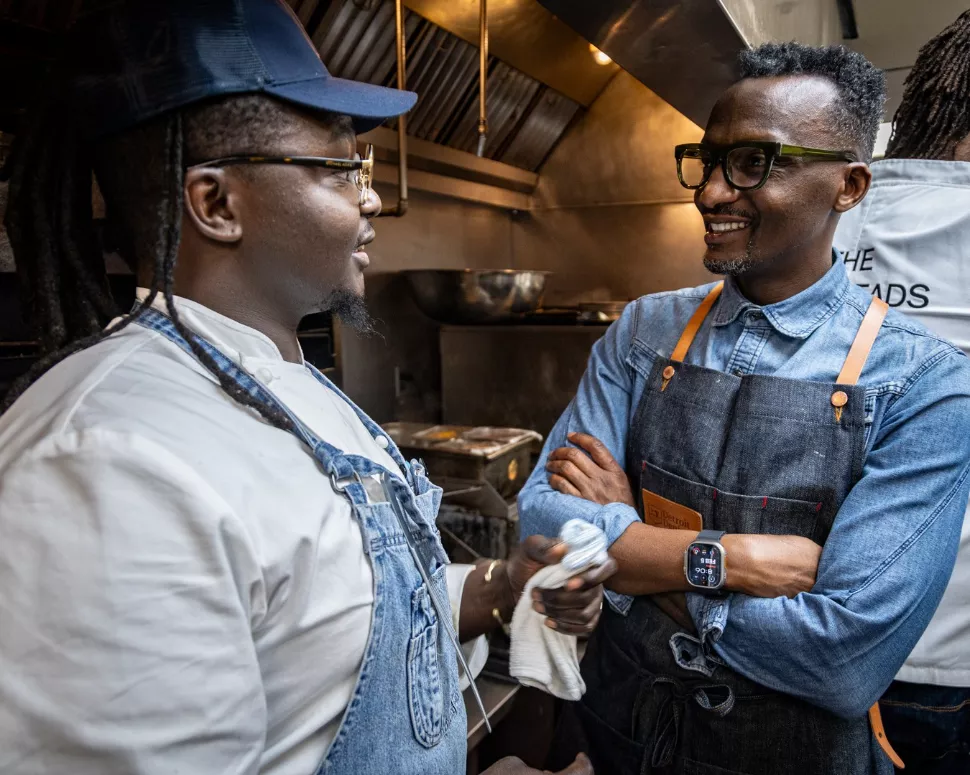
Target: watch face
(704, 565)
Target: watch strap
(711, 535)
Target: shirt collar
(798, 316)
(234, 340)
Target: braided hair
(49, 218)
(933, 118)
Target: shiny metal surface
(526, 36)
(482, 78)
(683, 50)
(525, 118)
(440, 159)
(813, 22)
(400, 47)
(601, 311)
(468, 296)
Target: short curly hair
(861, 85)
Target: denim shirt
(892, 548)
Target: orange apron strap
(695, 322)
(875, 721)
(864, 339)
(851, 371)
(859, 352)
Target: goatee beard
(351, 309)
(732, 267)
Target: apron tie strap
(713, 698)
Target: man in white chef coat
(210, 560)
(908, 243)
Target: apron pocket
(732, 512)
(427, 686)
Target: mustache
(726, 209)
(366, 237)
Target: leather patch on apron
(660, 512)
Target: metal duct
(525, 117)
(682, 50)
(685, 50)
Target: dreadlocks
(59, 256)
(933, 117)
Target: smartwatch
(704, 562)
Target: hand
(515, 766)
(771, 566)
(573, 609)
(589, 472)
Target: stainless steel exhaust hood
(526, 115)
(685, 50)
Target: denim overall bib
(406, 715)
(752, 454)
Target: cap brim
(368, 105)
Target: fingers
(556, 601)
(570, 472)
(545, 551)
(597, 450)
(579, 622)
(582, 766)
(563, 485)
(593, 577)
(577, 458)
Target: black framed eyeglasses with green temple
(747, 165)
(361, 167)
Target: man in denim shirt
(787, 410)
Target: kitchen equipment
(601, 311)
(468, 296)
(497, 456)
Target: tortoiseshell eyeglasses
(363, 168)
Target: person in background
(721, 435)
(210, 560)
(908, 243)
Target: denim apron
(752, 454)
(406, 715)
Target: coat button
(668, 372)
(839, 399)
(265, 375)
(382, 442)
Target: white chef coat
(181, 590)
(908, 242)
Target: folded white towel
(540, 656)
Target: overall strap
(865, 338)
(690, 331)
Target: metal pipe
(482, 75)
(401, 207)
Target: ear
(855, 185)
(212, 203)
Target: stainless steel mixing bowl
(468, 296)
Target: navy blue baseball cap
(137, 59)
